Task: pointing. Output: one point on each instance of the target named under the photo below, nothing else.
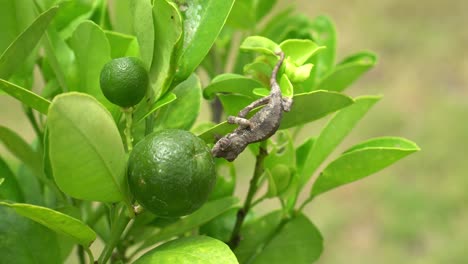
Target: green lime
(124, 81)
(171, 172)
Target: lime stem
(242, 213)
(128, 128)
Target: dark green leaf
(361, 161)
(231, 83)
(333, 133)
(225, 179)
(122, 45)
(9, 187)
(348, 71)
(194, 249)
(263, 7)
(18, 51)
(207, 212)
(30, 186)
(86, 150)
(56, 221)
(25, 96)
(24, 241)
(203, 21)
(144, 29)
(183, 112)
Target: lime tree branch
(241, 214)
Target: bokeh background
(417, 210)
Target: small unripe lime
(124, 81)
(171, 172)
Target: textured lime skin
(171, 172)
(124, 81)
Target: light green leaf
(348, 71)
(144, 29)
(203, 21)
(25, 96)
(361, 161)
(209, 135)
(18, 51)
(286, 86)
(308, 107)
(300, 50)
(242, 15)
(8, 11)
(122, 20)
(167, 38)
(298, 241)
(207, 212)
(333, 133)
(260, 44)
(182, 113)
(163, 101)
(86, 150)
(36, 240)
(324, 34)
(190, 250)
(59, 222)
(122, 45)
(231, 83)
(9, 187)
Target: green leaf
(122, 45)
(263, 7)
(231, 83)
(144, 29)
(17, 24)
(333, 133)
(308, 107)
(9, 187)
(286, 86)
(18, 51)
(21, 149)
(167, 38)
(86, 151)
(92, 50)
(300, 50)
(203, 21)
(298, 241)
(207, 212)
(302, 153)
(183, 112)
(363, 160)
(210, 134)
(190, 250)
(38, 244)
(324, 33)
(25, 96)
(163, 101)
(260, 44)
(122, 20)
(225, 180)
(242, 15)
(59, 222)
(233, 103)
(30, 186)
(348, 71)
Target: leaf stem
(118, 227)
(90, 255)
(34, 124)
(242, 213)
(128, 127)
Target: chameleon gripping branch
(260, 126)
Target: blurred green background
(417, 210)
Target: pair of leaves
(272, 239)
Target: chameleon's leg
(243, 113)
(239, 120)
(286, 103)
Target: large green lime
(124, 81)
(171, 172)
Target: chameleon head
(229, 147)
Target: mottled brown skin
(260, 126)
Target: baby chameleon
(260, 126)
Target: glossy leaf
(231, 84)
(363, 160)
(9, 187)
(168, 31)
(194, 249)
(86, 150)
(163, 101)
(25, 96)
(183, 112)
(21, 149)
(144, 29)
(59, 222)
(18, 51)
(122, 45)
(36, 240)
(308, 107)
(298, 241)
(348, 71)
(300, 50)
(207, 212)
(261, 45)
(333, 133)
(203, 21)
